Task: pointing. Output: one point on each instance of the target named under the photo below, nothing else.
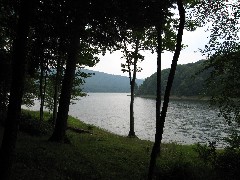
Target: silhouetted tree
(156, 146)
(62, 115)
(161, 119)
(96, 23)
(8, 22)
(57, 82)
(17, 85)
(132, 58)
(142, 35)
(4, 84)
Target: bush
(33, 126)
(176, 162)
(207, 153)
(233, 140)
(228, 163)
(176, 170)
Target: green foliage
(223, 54)
(223, 84)
(223, 81)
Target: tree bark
(65, 97)
(161, 118)
(16, 92)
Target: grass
(101, 155)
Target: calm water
(187, 122)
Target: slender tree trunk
(41, 90)
(44, 90)
(43, 86)
(65, 97)
(174, 63)
(3, 103)
(55, 105)
(161, 118)
(156, 146)
(56, 90)
(132, 83)
(16, 92)
(131, 132)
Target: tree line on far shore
(189, 81)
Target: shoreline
(190, 98)
(108, 155)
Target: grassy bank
(100, 155)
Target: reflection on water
(187, 122)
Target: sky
(111, 63)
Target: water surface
(187, 122)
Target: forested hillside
(186, 82)
(103, 82)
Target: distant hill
(186, 82)
(103, 82)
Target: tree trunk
(3, 103)
(156, 146)
(16, 91)
(44, 90)
(65, 97)
(174, 63)
(55, 105)
(41, 90)
(132, 83)
(161, 118)
(56, 90)
(43, 86)
(131, 132)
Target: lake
(187, 122)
